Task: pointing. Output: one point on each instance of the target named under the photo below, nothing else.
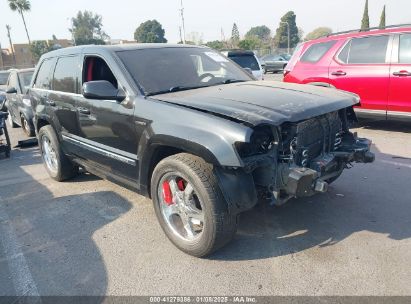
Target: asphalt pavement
(88, 236)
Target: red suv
(374, 64)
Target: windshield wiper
(175, 89)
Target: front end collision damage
(292, 161)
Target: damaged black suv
(193, 131)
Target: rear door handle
(402, 73)
(339, 73)
(84, 111)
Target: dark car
(17, 103)
(274, 63)
(4, 75)
(194, 132)
(246, 60)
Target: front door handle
(339, 73)
(402, 73)
(84, 111)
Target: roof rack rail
(370, 29)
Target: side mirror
(249, 71)
(102, 89)
(11, 90)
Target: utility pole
(182, 22)
(288, 31)
(11, 44)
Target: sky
(206, 17)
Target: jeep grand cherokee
(190, 129)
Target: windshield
(162, 70)
(3, 77)
(246, 61)
(25, 78)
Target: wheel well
(41, 123)
(160, 153)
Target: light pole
(182, 21)
(288, 32)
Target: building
(23, 55)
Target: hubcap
(180, 207)
(49, 154)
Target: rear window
(405, 48)
(246, 61)
(367, 50)
(317, 51)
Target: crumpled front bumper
(306, 181)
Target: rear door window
(65, 77)
(405, 49)
(317, 51)
(367, 50)
(43, 79)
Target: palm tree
(21, 6)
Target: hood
(260, 102)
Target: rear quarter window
(315, 52)
(43, 78)
(366, 50)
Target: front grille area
(312, 138)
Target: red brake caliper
(167, 195)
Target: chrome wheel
(49, 154)
(180, 207)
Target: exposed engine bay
(303, 158)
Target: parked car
(246, 60)
(194, 132)
(17, 103)
(4, 75)
(374, 64)
(273, 63)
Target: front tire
(58, 166)
(27, 128)
(190, 206)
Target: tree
(235, 35)
(318, 33)
(21, 6)
(87, 28)
(365, 23)
(216, 44)
(150, 31)
(281, 36)
(251, 43)
(382, 19)
(38, 48)
(262, 32)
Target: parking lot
(90, 237)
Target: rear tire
(57, 164)
(218, 225)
